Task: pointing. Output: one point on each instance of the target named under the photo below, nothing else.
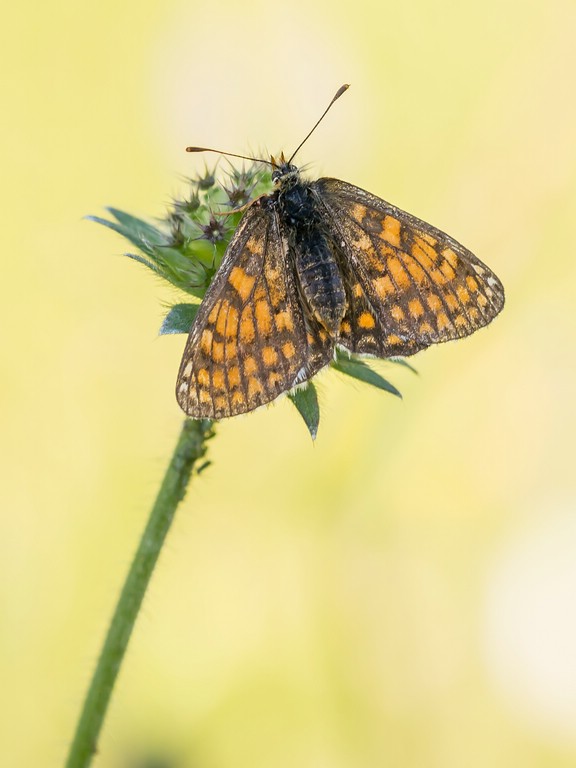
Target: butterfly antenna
(228, 154)
(339, 93)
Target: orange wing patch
(241, 282)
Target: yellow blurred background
(403, 591)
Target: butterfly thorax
(310, 248)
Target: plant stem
(190, 448)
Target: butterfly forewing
(251, 340)
(409, 285)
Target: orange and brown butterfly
(320, 265)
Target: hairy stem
(190, 447)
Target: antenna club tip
(341, 90)
(193, 149)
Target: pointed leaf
(359, 370)
(138, 227)
(306, 401)
(139, 242)
(179, 319)
(401, 361)
(137, 257)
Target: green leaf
(136, 240)
(142, 260)
(179, 319)
(138, 227)
(359, 370)
(401, 361)
(306, 401)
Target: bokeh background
(403, 591)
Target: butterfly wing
(250, 340)
(408, 284)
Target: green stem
(190, 448)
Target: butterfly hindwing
(250, 340)
(409, 285)
(364, 329)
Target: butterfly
(316, 265)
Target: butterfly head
(283, 170)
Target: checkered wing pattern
(250, 340)
(408, 284)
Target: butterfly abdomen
(317, 270)
(320, 279)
